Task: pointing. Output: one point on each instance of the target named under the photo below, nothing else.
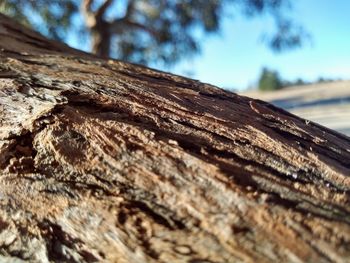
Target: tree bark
(101, 39)
(105, 161)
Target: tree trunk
(104, 161)
(101, 39)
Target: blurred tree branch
(146, 31)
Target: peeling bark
(104, 161)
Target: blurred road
(325, 103)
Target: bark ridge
(104, 161)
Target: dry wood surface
(105, 161)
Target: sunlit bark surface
(104, 161)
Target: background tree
(300, 81)
(269, 80)
(149, 30)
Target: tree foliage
(53, 18)
(149, 30)
(269, 80)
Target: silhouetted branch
(102, 10)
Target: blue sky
(234, 58)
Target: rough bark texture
(104, 161)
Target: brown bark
(101, 39)
(104, 161)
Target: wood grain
(104, 161)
